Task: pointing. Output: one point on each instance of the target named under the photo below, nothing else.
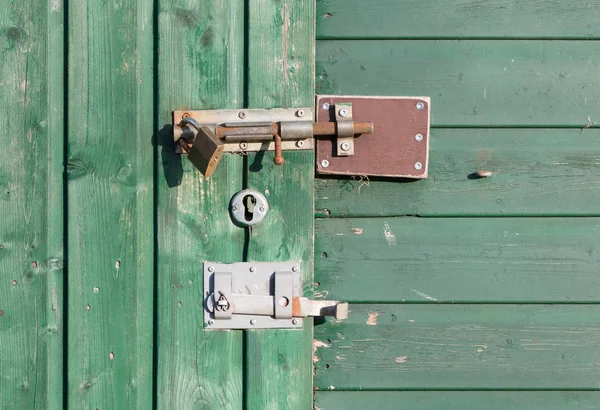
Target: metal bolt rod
(319, 129)
(278, 160)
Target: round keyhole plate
(248, 207)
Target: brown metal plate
(393, 150)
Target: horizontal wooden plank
(534, 172)
(458, 259)
(458, 18)
(456, 400)
(471, 82)
(460, 347)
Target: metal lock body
(260, 295)
(248, 208)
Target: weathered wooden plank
(428, 346)
(281, 74)
(455, 400)
(458, 259)
(534, 172)
(201, 59)
(110, 204)
(471, 83)
(31, 195)
(354, 19)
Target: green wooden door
(104, 230)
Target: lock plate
(398, 147)
(241, 284)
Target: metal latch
(260, 295)
(396, 145)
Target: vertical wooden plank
(110, 204)
(31, 209)
(281, 74)
(201, 59)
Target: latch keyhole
(249, 203)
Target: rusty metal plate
(398, 147)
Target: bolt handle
(278, 160)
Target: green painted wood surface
(201, 60)
(548, 172)
(452, 400)
(457, 19)
(471, 83)
(110, 204)
(31, 201)
(281, 35)
(517, 260)
(460, 347)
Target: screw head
(420, 105)
(324, 163)
(253, 321)
(211, 322)
(300, 113)
(300, 144)
(325, 106)
(252, 268)
(242, 115)
(211, 268)
(343, 112)
(345, 146)
(235, 208)
(243, 145)
(294, 269)
(261, 209)
(418, 166)
(419, 137)
(294, 321)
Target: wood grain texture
(281, 39)
(457, 18)
(110, 204)
(31, 195)
(454, 400)
(458, 259)
(471, 83)
(201, 59)
(460, 347)
(549, 172)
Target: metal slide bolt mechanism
(205, 144)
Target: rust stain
(372, 321)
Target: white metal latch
(260, 295)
